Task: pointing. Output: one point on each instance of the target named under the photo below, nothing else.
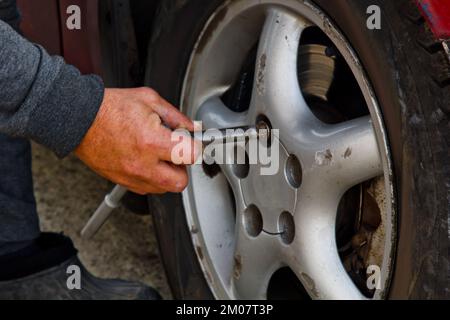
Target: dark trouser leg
(19, 222)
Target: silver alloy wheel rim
(238, 265)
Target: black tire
(410, 73)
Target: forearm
(41, 97)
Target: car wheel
(359, 208)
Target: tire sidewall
(176, 32)
(396, 67)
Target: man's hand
(129, 145)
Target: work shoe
(50, 270)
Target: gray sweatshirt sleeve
(42, 98)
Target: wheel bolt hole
(241, 163)
(211, 170)
(286, 227)
(253, 221)
(262, 122)
(293, 171)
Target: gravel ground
(67, 194)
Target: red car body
(79, 47)
(437, 13)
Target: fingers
(176, 147)
(146, 190)
(173, 117)
(171, 146)
(139, 185)
(170, 177)
(185, 150)
(168, 113)
(163, 178)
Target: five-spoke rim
(240, 253)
